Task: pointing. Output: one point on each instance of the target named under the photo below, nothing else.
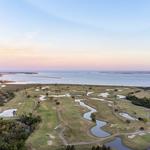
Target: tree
(93, 117)
(93, 148)
(70, 147)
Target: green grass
(39, 138)
(77, 128)
(21, 103)
(139, 142)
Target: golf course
(80, 115)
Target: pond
(117, 144)
(98, 131)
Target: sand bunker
(99, 99)
(109, 89)
(127, 116)
(42, 98)
(2, 85)
(106, 94)
(45, 87)
(37, 90)
(121, 96)
(88, 93)
(51, 136)
(49, 142)
(131, 136)
(8, 113)
(65, 95)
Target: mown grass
(39, 139)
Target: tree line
(145, 102)
(6, 96)
(72, 147)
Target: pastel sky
(75, 34)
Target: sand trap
(19, 103)
(127, 116)
(8, 113)
(57, 126)
(113, 125)
(88, 93)
(109, 89)
(49, 142)
(131, 136)
(37, 90)
(45, 87)
(99, 99)
(3, 86)
(120, 90)
(106, 94)
(78, 100)
(141, 134)
(121, 96)
(65, 95)
(51, 136)
(110, 105)
(42, 98)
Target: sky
(74, 35)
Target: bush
(93, 117)
(116, 110)
(128, 121)
(145, 102)
(28, 96)
(57, 103)
(141, 128)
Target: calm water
(99, 132)
(117, 144)
(84, 77)
(96, 130)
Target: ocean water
(83, 77)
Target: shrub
(93, 117)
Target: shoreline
(8, 82)
(93, 79)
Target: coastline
(9, 82)
(78, 78)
